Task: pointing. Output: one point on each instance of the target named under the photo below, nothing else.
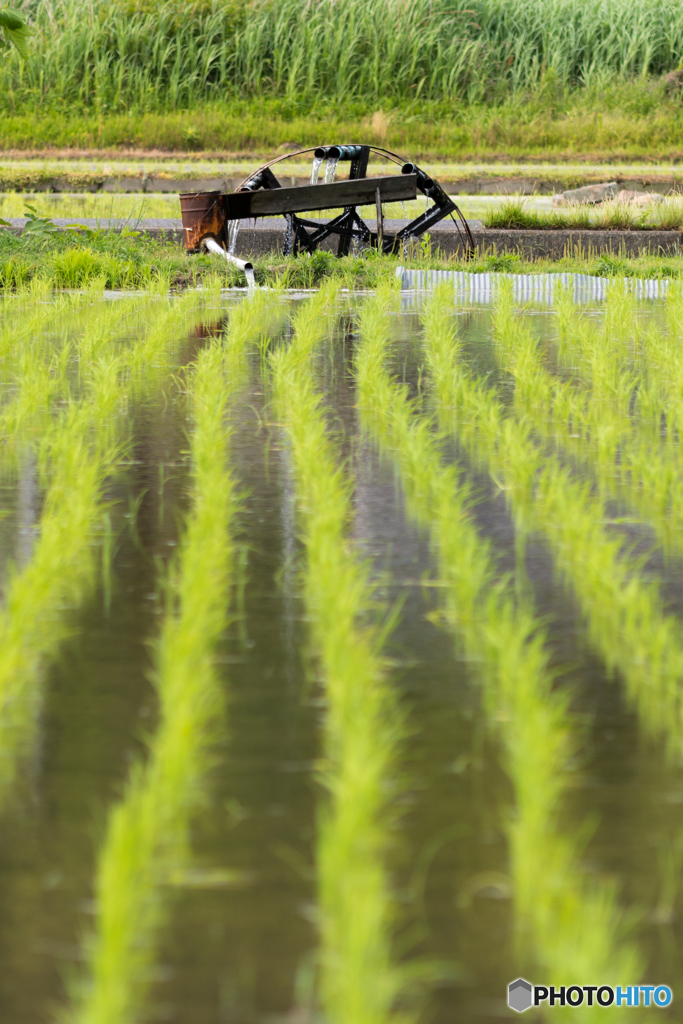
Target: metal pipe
(218, 250)
(212, 245)
(337, 152)
(423, 180)
(380, 220)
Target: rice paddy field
(341, 668)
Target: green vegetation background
(448, 78)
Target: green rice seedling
(568, 922)
(41, 370)
(623, 610)
(33, 620)
(358, 982)
(630, 457)
(78, 449)
(147, 833)
(29, 321)
(596, 425)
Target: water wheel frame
(304, 236)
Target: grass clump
(68, 259)
(359, 984)
(610, 215)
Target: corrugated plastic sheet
(528, 287)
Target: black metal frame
(303, 235)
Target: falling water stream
(315, 172)
(331, 168)
(233, 231)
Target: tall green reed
(359, 984)
(568, 923)
(170, 56)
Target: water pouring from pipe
(233, 231)
(315, 172)
(212, 246)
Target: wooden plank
(357, 192)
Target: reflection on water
(241, 938)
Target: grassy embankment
(108, 260)
(569, 922)
(470, 78)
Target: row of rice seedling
(624, 446)
(33, 620)
(74, 323)
(76, 452)
(146, 842)
(639, 359)
(29, 318)
(24, 298)
(51, 368)
(568, 924)
(623, 610)
(362, 729)
(595, 424)
(36, 328)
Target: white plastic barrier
(528, 287)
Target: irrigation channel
(341, 662)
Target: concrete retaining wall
(39, 180)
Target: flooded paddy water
(340, 656)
